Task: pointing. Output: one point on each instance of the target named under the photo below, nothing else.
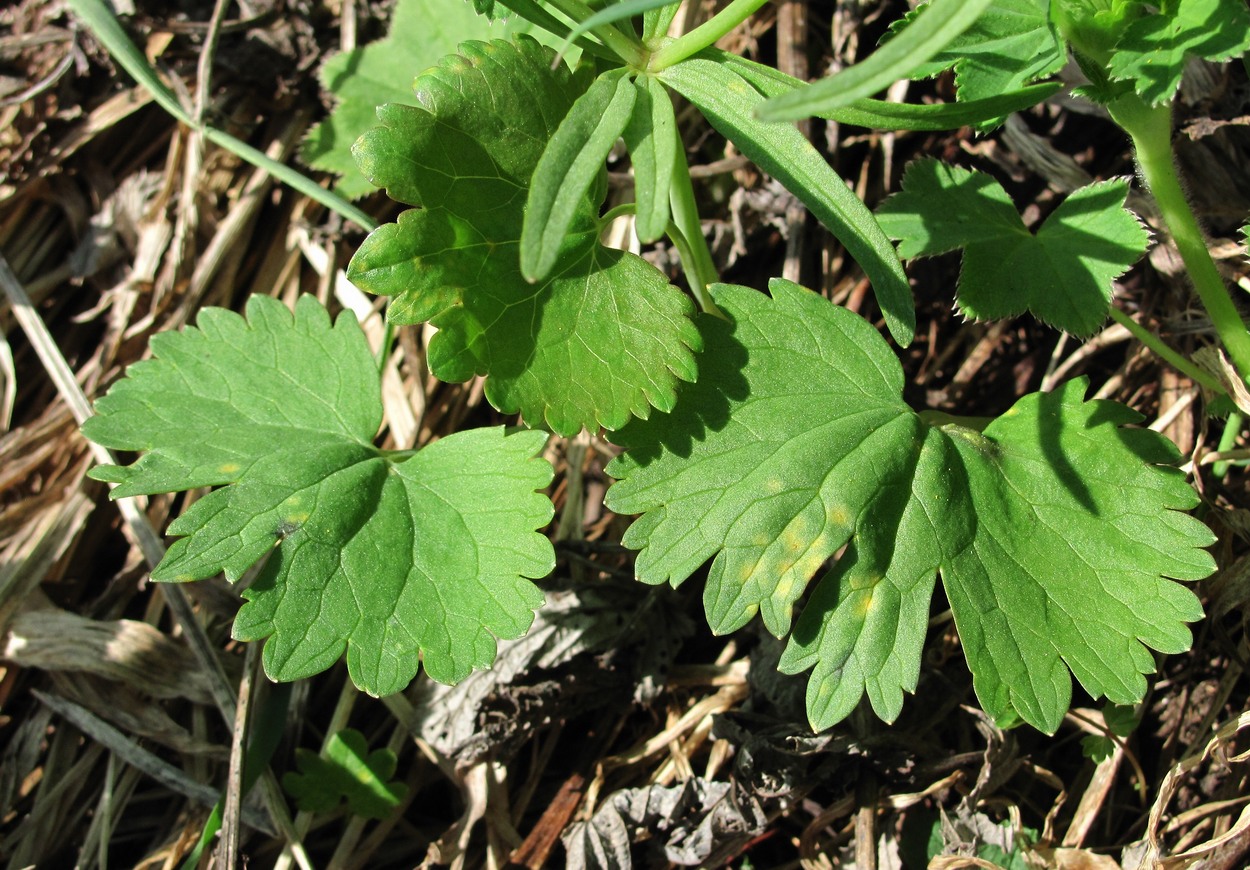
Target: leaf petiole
(1164, 352)
(704, 35)
(686, 231)
(626, 46)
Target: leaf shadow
(1074, 463)
(703, 406)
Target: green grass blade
(569, 165)
(101, 21)
(729, 102)
(104, 25)
(939, 23)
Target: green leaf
(1075, 509)
(604, 338)
(883, 115)
(1153, 50)
(348, 772)
(1053, 532)
(1062, 274)
(936, 25)
(729, 103)
(421, 32)
(390, 557)
(1013, 43)
(572, 161)
(653, 140)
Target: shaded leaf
(1062, 274)
(347, 772)
(606, 337)
(1154, 48)
(364, 78)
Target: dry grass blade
(149, 541)
(131, 753)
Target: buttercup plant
(764, 432)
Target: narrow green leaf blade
(1153, 50)
(392, 560)
(604, 338)
(935, 27)
(882, 115)
(569, 165)
(1082, 515)
(729, 102)
(1063, 274)
(653, 140)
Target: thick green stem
(704, 35)
(1150, 128)
(1161, 349)
(696, 258)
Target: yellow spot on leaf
(228, 468)
(785, 586)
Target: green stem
(1150, 128)
(1232, 429)
(1161, 349)
(704, 35)
(384, 349)
(687, 233)
(627, 47)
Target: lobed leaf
(1053, 532)
(1154, 48)
(349, 773)
(1062, 274)
(1077, 532)
(392, 558)
(421, 32)
(1011, 44)
(604, 338)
